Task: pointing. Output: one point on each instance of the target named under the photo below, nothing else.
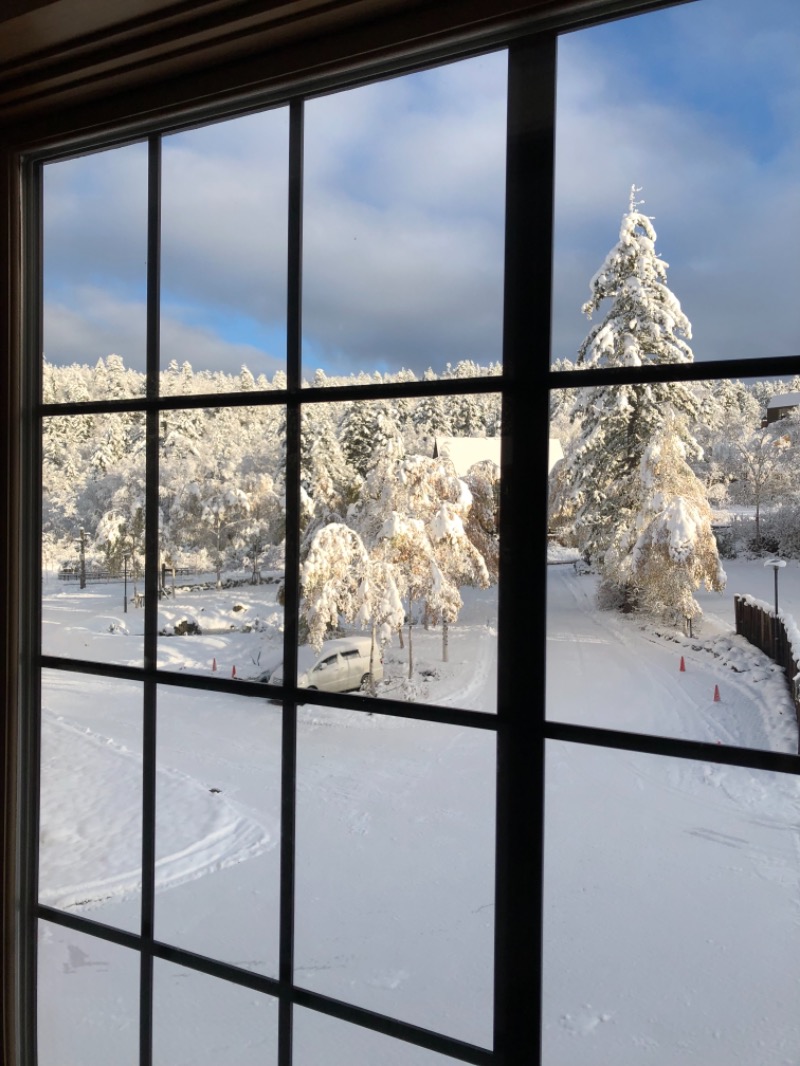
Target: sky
(698, 105)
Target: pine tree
(644, 325)
(365, 428)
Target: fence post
(83, 558)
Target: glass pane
(670, 502)
(670, 906)
(90, 832)
(400, 549)
(93, 523)
(319, 1038)
(95, 275)
(403, 223)
(395, 868)
(223, 269)
(222, 540)
(690, 105)
(200, 1020)
(218, 826)
(88, 1000)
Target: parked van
(341, 665)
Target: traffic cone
(233, 672)
(214, 663)
(683, 666)
(716, 694)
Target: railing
(73, 573)
(776, 635)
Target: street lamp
(125, 558)
(776, 564)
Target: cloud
(404, 202)
(94, 323)
(403, 253)
(723, 206)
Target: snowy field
(672, 917)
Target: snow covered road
(607, 670)
(672, 916)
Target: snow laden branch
(340, 581)
(330, 579)
(674, 550)
(424, 535)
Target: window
(236, 865)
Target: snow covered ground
(672, 917)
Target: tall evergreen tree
(643, 325)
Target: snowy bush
(726, 542)
(781, 530)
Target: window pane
(223, 269)
(218, 826)
(403, 222)
(400, 548)
(90, 833)
(692, 106)
(671, 501)
(95, 273)
(88, 1000)
(670, 907)
(222, 540)
(93, 522)
(319, 1038)
(395, 881)
(200, 1020)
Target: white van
(341, 665)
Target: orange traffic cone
(233, 672)
(214, 663)
(716, 694)
(683, 666)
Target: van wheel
(312, 688)
(365, 681)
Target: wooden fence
(767, 631)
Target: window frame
(521, 726)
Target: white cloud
(722, 210)
(403, 253)
(94, 324)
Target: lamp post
(776, 564)
(125, 558)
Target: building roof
(465, 452)
(784, 399)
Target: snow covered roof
(555, 453)
(785, 399)
(464, 452)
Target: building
(781, 406)
(466, 451)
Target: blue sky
(699, 105)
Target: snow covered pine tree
(603, 477)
